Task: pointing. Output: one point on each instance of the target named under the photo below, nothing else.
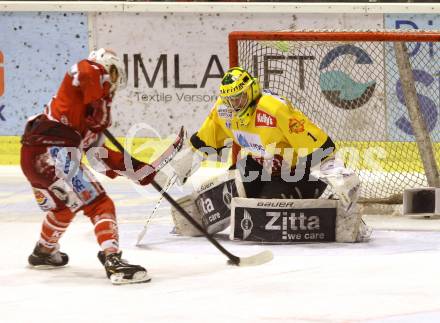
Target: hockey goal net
(354, 86)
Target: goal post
(376, 93)
(418, 124)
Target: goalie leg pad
(344, 182)
(214, 203)
(209, 205)
(295, 220)
(283, 220)
(346, 185)
(181, 225)
(349, 225)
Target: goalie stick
(257, 259)
(141, 235)
(167, 155)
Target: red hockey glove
(98, 115)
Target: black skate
(41, 260)
(119, 271)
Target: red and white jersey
(86, 86)
(84, 83)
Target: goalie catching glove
(344, 182)
(185, 163)
(346, 185)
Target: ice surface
(394, 278)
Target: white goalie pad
(181, 225)
(294, 221)
(344, 182)
(349, 225)
(209, 205)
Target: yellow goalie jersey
(273, 128)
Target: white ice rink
(394, 278)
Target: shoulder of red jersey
(91, 70)
(92, 78)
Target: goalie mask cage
(369, 90)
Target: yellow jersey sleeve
(212, 133)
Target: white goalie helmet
(113, 66)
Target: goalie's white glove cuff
(344, 182)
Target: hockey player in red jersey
(52, 146)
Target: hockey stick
(157, 165)
(257, 259)
(141, 235)
(169, 154)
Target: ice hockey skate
(120, 272)
(42, 260)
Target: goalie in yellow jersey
(284, 154)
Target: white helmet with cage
(113, 66)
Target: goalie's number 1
(312, 136)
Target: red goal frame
(396, 35)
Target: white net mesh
(352, 90)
